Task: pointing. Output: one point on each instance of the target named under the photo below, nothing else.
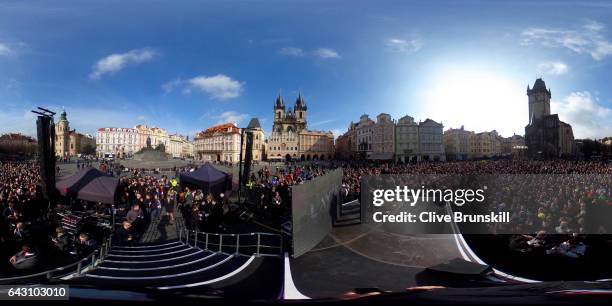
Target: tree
(89, 149)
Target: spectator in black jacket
(85, 245)
(62, 240)
(27, 258)
(126, 235)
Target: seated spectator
(572, 248)
(539, 241)
(85, 245)
(25, 259)
(62, 240)
(20, 234)
(9, 213)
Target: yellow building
(70, 143)
(486, 144)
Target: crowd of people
(20, 205)
(26, 239)
(144, 198)
(564, 205)
(269, 189)
(560, 198)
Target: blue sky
(186, 65)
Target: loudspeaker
(46, 155)
(248, 157)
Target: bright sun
(481, 101)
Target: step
(349, 217)
(147, 256)
(147, 246)
(127, 272)
(156, 266)
(144, 263)
(223, 280)
(213, 272)
(114, 251)
(350, 210)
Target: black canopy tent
(207, 178)
(89, 184)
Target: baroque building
(406, 140)
(290, 138)
(546, 136)
(125, 142)
(70, 143)
(221, 143)
(384, 138)
(431, 146)
(457, 144)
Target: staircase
(169, 265)
(348, 214)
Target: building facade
(70, 143)
(406, 140)
(457, 145)
(364, 137)
(431, 146)
(120, 142)
(383, 142)
(486, 145)
(546, 136)
(14, 143)
(259, 143)
(179, 146)
(125, 142)
(220, 143)
(290, 138)
(512, 144)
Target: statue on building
(148, 142)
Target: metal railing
(248, 244)
(74, 269)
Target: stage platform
(366, 256)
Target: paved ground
(160, 229)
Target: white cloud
(589, 118)
(219, 86)
(587, 39)
(116, 62)
(553, 68)
(5, 50)
(402, 45)
(231, 117)
(168, 87)
(326, 53)
(292, 51)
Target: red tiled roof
(228, 128)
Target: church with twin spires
(292, 140)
